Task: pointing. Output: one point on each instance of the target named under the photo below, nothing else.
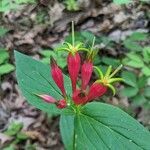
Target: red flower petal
(73, 68)
(79, 97)
(61, 104)
(57, 76)
(96, 90)
(86, 72)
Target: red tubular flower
(86, 72)
(61, 104)
(73, 58)
(96, 90)
(100, 86)
(79, 97)
(87, 67)
(73, 61)
(57, 76)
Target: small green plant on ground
(5, 66)
(136, 89)
(71, 5)
(133, 42)
(138, 56)
(14, 131)
(139, 60)
(8, 5)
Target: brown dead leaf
(56, 12)
(35, 135)
(4, 138)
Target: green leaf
(104, 127)
(13, 129)
(131, 42)
(10, 147)
(129, 91)
(88, 36)
(147, 91)
(146, 71)
(122, 1)
(3, 55)
(72, 5)
(145, 1)
(48, 53)
(134, 64)
(7, 5)
(146, 54)
(6, 68)
(25, 1)
(134, 60)
(22, 136)
(110, 61)
(139, 100)
(129, 78)
(132, 45)
(60, 56)
(138, 36)
(45, 60)
(67, 131)
(142, 81)
(34, 77)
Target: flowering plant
(84, 124)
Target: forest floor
(42, 26)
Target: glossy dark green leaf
(100, 126)
(34, 78)
(67, 131)
(104, 127)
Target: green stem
(93, 43)
(116, 71)
(73, 37)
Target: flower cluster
(85, 93)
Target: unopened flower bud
(57, 76)
(47, 98)
(86, 72)
(73, 68)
